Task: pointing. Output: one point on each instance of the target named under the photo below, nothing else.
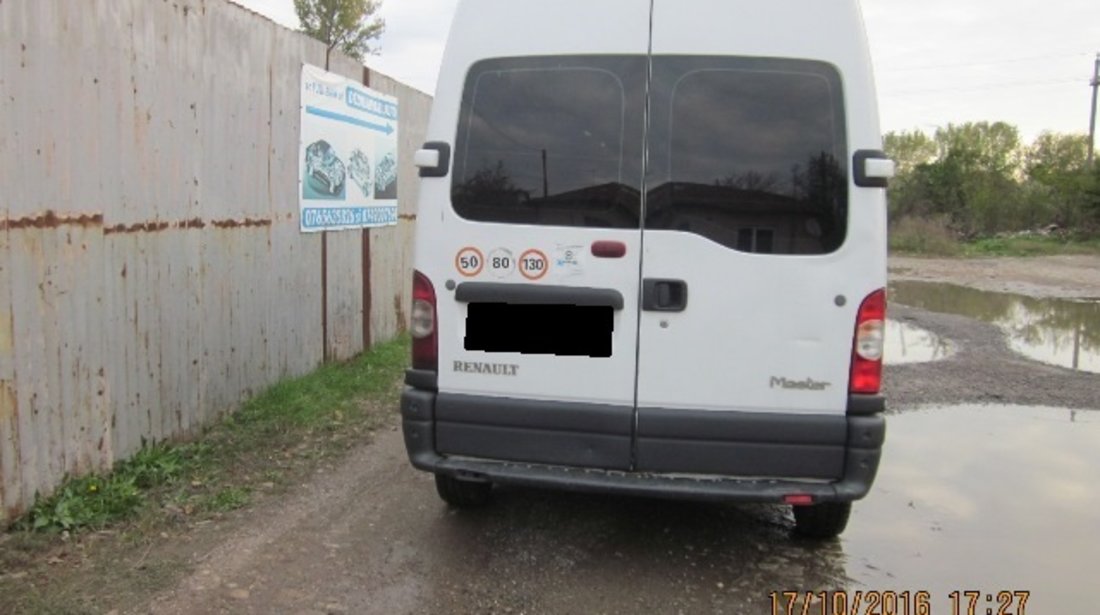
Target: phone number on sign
(968, 602)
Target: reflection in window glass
(551, 141)
(750, 153)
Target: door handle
(664, 295)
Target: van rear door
(533, 242)
(757, 247)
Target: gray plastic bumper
(856, 441)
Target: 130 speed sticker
(533, 264)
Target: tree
(347, 25)
(994, 148)
(909, 149)
(978, 178)
(1056, 164)
(1055, 157)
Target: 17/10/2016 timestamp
(859, 602)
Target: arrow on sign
(340, 117)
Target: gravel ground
(1073, 276)
(369, 535)
(985, 370)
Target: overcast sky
(936, 61)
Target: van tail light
(866, 374)
(425, 345)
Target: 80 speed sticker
(501, 262)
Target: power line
(986, 86)
(990, 62)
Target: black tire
(462, 493)
(822, 521)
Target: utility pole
(1095, 83)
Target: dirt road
(371, 536)
(1047, 276)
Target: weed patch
(1030, 245)
(294, 423)
(225, 500)
(927, 236)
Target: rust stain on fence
(193, 223)
(246, 223)
(399, 312)
(154, 226)
(8, 407)
(9, 459)
(7, 330)
(51, 219)
(140, 227)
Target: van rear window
(749, 152)
(553, 141)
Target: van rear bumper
(827, 458)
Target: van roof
(831, 31)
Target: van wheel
(822, 521)
(462, 493)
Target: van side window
(554, 141)
(749, 152)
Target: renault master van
(651, 255)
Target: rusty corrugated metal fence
(152, 275)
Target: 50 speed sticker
(469, 261)
(533, 264)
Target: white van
(651, 255)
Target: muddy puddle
(1062, 332)
(984, 498)
(908, 343)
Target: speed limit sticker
(501, 262)
(469, 261)
(533, 264)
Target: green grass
(929, 237)
(225, 500)
(326, 396)
(934, 237)
(296, 422)
(1030, 246)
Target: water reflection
(988, 498)
(907, 343)
(1061, 332)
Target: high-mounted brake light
(425, 345)
(866, 377)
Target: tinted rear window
(750, 153)
(551, 141)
